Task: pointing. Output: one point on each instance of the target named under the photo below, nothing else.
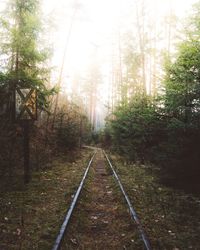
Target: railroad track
(63, 229)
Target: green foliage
(134, 128)
(182, 83)
(23, 50)
(166, 131)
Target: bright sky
(93, 25)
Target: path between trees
(101, 219)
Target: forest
(124, 77)
(162, 127)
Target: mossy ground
(171, 218)
(30, 216)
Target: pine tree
(22, 49)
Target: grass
(136, 242)
(171, 218)
(31, 218)
(79, 217)
(118, 234)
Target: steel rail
(63, 228)
(132, 211)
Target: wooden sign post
(25, 112)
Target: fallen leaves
(74, 241)
(94, 217)
(19, 231)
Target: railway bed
(101, 215)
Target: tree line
(25, 56)
(164, 128)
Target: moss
(31, 218)
(171, 218)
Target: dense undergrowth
(142, 132)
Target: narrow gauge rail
(60, 236)
(131, 209)
(63, 228)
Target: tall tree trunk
(154, 72)
(140, 28)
